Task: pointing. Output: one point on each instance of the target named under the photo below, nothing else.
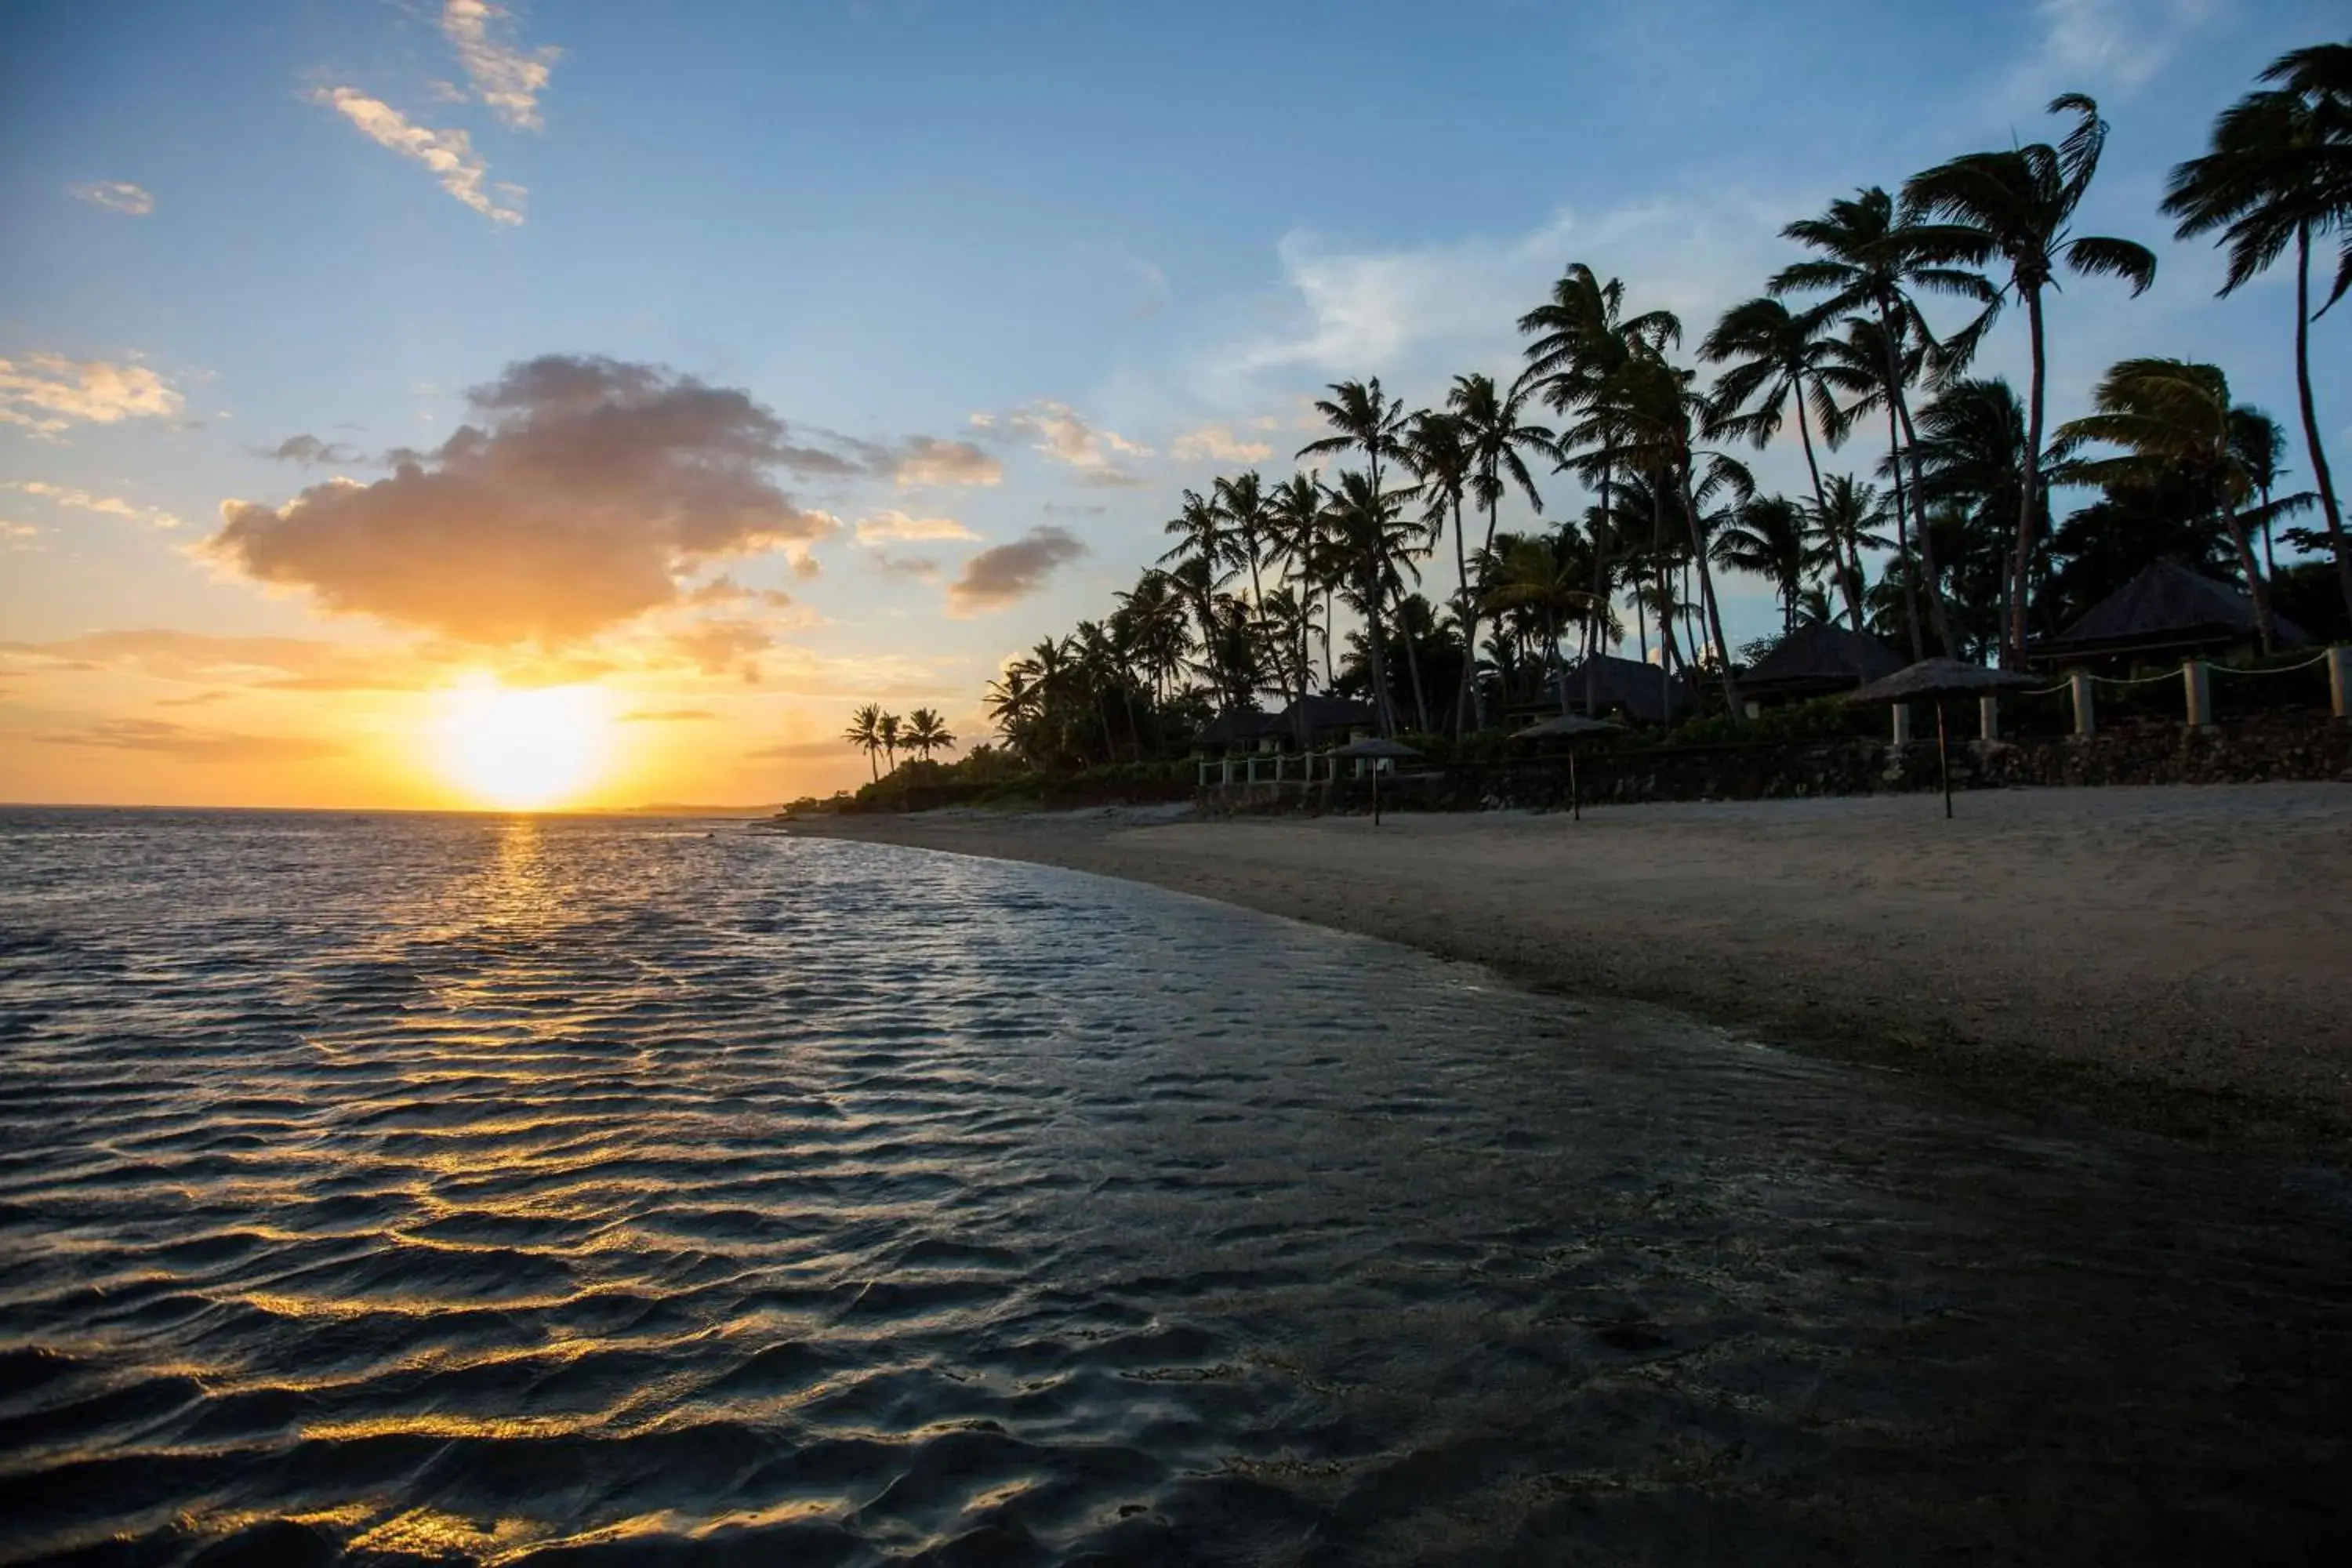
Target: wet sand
(2176, 960)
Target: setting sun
(523, 748)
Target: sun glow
(523, 747)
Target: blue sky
(1088, 247)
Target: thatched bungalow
(1239, 730)
(1605, 684)
(2166, 613)
(1312, 723)
(1815, 661)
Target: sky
(421, 403)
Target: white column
(1902, 723)
(2085, 722)
(2199, 695)
(2339, 678)
(1988, 718)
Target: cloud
(1009, 572)
(116, 196)
(83, 500)
(1219, 445)
(308, 451)
(195, 699)
(193, 745)
(449, 154)
(802, 752)
(2105, 44)
(588, 492)
(722, 646)
(282, 664)
(1064, 436)
(724, 590)
(926, 460)
(507, 78)
(668, 716)
(922, 568)
(45, 393)
(885, 527)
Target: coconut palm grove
(1941, 511)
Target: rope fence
(2317, 659)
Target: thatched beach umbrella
(1571, 726)
(1377, 749)
(1933, 679)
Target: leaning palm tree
(1846, 523)
(1378, 547)
(1243, 502)
(2018, 206)
(2277, 172)
(865, 732)
(1772, 359)
(2172, 420)
(1298, 532)
(887, 732)
(1434, 452)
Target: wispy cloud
(193, 745)
(888, 527)
(1218, 444)
(116, 196)
(1061, 433)
(2109, 44)
(83, 500)
(506, 77)
(307, 450)
(46, 392)
(449, 154)
(668, 716)
(1009, 572)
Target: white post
(2200, 694)
(2339, 677)
(1902, 723)
(1988, 718)
(1226, 779)
(2085, 722)
(1201, 774)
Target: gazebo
(1605, 682)
(2166, 613)
(1815, 661)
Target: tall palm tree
(1767, 539)
(1364, 419)
(2018, 206)
(865, 732)
(1300, 541)
(1242, 502)
(1582, 337)
(1857, 361)
(1434, 452)
(1498, 437)
(1379, 548)
(1772, 359)
(1868, 264)
(1846, 523)
(2260, 443)
(2172, 420)
(887, 730)
(2277, 172)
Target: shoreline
(2173, 959)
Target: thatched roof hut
(1605, 682)
(1816, 659)
(1311, 720)
(1237, 728)
(2167, 611)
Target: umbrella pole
(1376, 792)
(1944, 758)
(1575, 793)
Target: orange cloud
(1001, 576)
(590, 488)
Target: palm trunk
(2311, 415)
(2270, 560)
(1939, 619)
(2029, 505)
(1412, 662)
(1382, 707)
(1469, 691)
(1706, 600)
(2255, 585)
(1605, 531)
(1903, 537)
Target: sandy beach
(2176, 960)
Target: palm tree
(1299, 539)
(1201, 552)
(1970, 452)
(1869, 263)
(1364, 419)
(2260, 443)
(1242, 502)
(1495, 435)
(865, 732)
(1857, 363)
(2172, 419)
(2279, 170)
(1434, 452)
(1845, 522)
(928, 733)
(2018, 206)
(886, 730)
(1767, 540)
(1378, 548)
(1772, 359)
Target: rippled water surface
(453, 1189)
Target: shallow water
(441, 1189)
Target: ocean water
(416, 1189)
